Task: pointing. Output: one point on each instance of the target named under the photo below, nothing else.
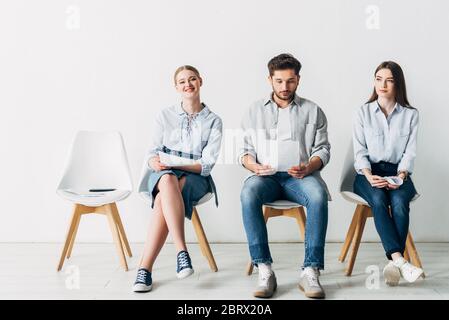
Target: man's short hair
(284, 61)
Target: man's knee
(250, 192)
(317, 196)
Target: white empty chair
(198, 227)
(98, 161)
(283, 208)
(362, 212)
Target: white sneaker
(391, 274)
(266, 285)
(309, 283)
(408, 271)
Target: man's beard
(289, 98)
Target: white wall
(114, 70)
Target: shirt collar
(296, 100)
(203, 113)
(376, 107)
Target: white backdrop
(108, 65)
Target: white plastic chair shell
(97, 160)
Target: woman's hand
(156, 165)
(392, 186)
(376, 181)
(401, 175)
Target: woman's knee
(400, 206)
(378, 198)
(167, 181)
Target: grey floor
(28, 271)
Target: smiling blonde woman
(187, 130)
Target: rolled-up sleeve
(211, 150)
(361, 154)
(408, 158)
(321, 146)
(246, 145)
(157, 139)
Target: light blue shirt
(201, 138)
(391, 139)
(308, 128)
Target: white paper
(281, 156)
(287, 155)
(173, 161)
(395, 180)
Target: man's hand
(259, 169)
(301, 171)
(156, 165)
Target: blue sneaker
(183, 265)
(143, 282)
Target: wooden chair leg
(406, 254)
(72, 226)
(361, 219)
(350, 234)
(72, 240)
(411, 249)
(116, 235)
(121, 229)
(202, 240)
(301, 221)
(266, 216)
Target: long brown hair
(399, 83)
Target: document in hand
(394, 180)
(174, 161)
(281, 157)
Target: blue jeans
(308, 192)
(392, 229)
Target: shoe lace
(142, 276)
(183, 260)
(312, 277)
(409, 268)
(263, 278)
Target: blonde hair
(186, 67)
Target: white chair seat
(90, 199)
(205, 198)
(282, 204)
(355, 198)
(97, 160)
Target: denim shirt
(378, 138)
(198, 138)
(308, 128)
